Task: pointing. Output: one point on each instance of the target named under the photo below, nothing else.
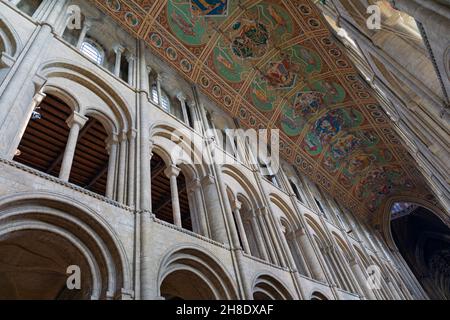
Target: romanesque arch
(267, 287)
(193, 274)
(42, 235)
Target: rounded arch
(99, 96)
(10, 42)
(343, 246)
(317, 295)
(268, 287)
(317, 230)
(184, 263)
(240, 180)
(77, 224)
(285, 209)
(62, 94)
(185, 148)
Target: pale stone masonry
(250, 238)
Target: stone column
(195, 189)
(304, 268)
(273, 235)
(132, 134)
(86, 27)
(159, 78)
(122, 168)
(272, 254)
(193, 114)
(118, 49)
(259, 238)
(214, 210)
(291, 261)
(362, 279)
(182, 100)
(172, 173)
(310, 255)
(131, 59)
(112, 150)
(75, 123)
(236, 207)
(146, 147)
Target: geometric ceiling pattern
(274, 64)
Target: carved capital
(76, 118)
(172, 171)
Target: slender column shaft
(112, 149)
(122, 168)
(259, 238)
(310, 256)
(86, 26)
(118, 50)
(236, 206)
(195, 188)
(172, 173)
(362, 280)
(75, 122)
(272, 254)
(131, 167)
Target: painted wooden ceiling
(274, 64)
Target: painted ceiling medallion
(278, 59)
(210, 8)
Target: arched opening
(186, 285)
(318, 296)
(90, 163)
(56, 249)
(296, 191)
(44, 145)
(190, 274)
(34, 263)
(294, 247)
(161, 200)
(162, 194)
(424, 242)
(268, 288)
(45, 138)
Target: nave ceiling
(274, 64)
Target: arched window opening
(296, 191)
(319, 205)
(29, 6)
(155, 97)
(423, 240)
(124, 64)
(162, 197)
(93, 51)
(90, 163)
(268, 173)
(44, 141)
(165, 102)
(185, 210)
(290, 237)
(161, 193)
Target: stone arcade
(359, 208)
